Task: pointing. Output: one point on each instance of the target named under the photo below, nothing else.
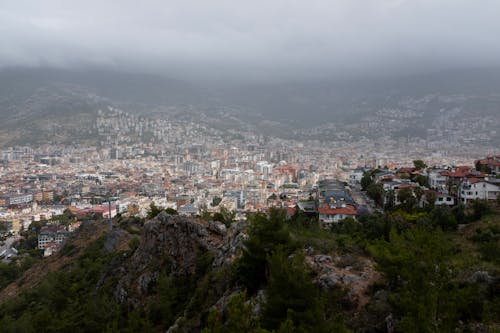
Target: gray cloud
(259, 38)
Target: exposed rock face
(481, 277)
(176, 239)
(321, 258)
(175, 243)
(340, 272)
(232, 246)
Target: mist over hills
(41, 104)
(120, 87)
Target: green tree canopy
(443, 217)
(390, 200)
(225, 216)
(154, 210)
(417, 265)
(421, 180)
(479, 208)
(419, 165)
(407, 199)
(377, 193)
(291, 295)
(430, 200)
(367, 178)
(266, 233)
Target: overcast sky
(257, 38)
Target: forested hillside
(418, 270)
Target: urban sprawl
(38, 184)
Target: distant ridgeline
(55, 106)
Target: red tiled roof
(490, 160)
(347, 210)
(99, 209)
(290, 211)
(458, 173)
(475, 180)
(285, 168)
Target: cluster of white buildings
(450, 184)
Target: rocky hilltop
(134, 263)
(270, 274)
(176, 243)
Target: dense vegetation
(274, 261)
(71, 300)
(436, 277)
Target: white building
(444, 199)
(51, 234)
(355, 176)
(475, 188)
(331, 214)
(438, 180)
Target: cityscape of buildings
(203, 174)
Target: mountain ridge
(35, 103)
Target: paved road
(362, 200)
(7, 247)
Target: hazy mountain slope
(313, 102)
(50, 113)
(121, 87)
(40, 105)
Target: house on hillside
(396, 184)
(455, 177)
(102, 211)
(337, 197)
(355, 176)
(383, 176)
(441, 199)
(308, 207)
(51, 234)
(476, 188)
(438, 180)
(444, 199)
(329, 214)
(492, 163)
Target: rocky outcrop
(481, 277)
(232, 245)
(354, 274)
(175, 244)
